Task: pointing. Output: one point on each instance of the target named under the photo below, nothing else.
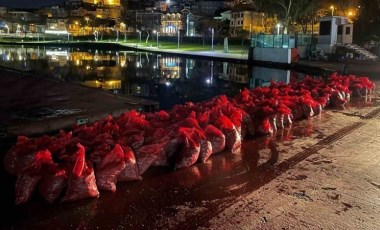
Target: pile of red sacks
(76, 165)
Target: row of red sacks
(77, 164)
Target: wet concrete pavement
(321, 173)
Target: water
(168, 79)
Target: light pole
(332, 10)
(278, 28)
(158, 34)
(77, 25)
(139, 35)
(212, 39)
(86, 18)
(178, 39)
(123, 27)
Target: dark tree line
(367, 25)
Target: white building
(334, 30)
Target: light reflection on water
(168, 79)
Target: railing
(280, 40)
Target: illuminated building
(103, 2)
(171, 23)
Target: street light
(139, 35)
(158, 34)
(86, 18)
(77, 25)
(178, 39)
(278, 28)
(212, 39)
(332, 10)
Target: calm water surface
(168, 79)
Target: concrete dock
(34, 105)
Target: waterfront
(166, 78)
(322, 163)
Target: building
(334, 30)
(20, 21)
(148, 21)
(103, 2)
(73, 3)
(171, 24)
(3, 11)
(248, 21)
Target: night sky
(28, 3)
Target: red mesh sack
(216, 137)
(109, 168)
(205, 145)
(265, 127)
(82, 182)
(20, 155)
(233, 139)
(146, 155)
(131, 171)
(53, 183)
(135, 141)
(31, 175)
(247, 126)
(190, 149)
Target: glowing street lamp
(77, 25)
(278, 28)
(158, 34)
(212, 39)
(138, 31)
(332, 10)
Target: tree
(366, 27)
(204, 25)
(305, 13)
(201, 27)
(243, 34)
(287, 10)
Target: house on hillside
(246, 20)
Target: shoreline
(362, 68)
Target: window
(348, 30)
(325, 28)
